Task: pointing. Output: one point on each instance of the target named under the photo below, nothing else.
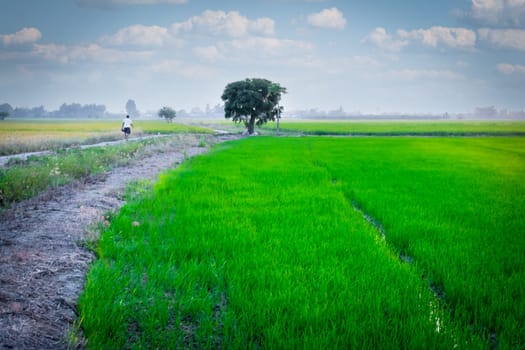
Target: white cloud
(380, 38)
(504, 38)
(442, 36)
(366, 61)
(183, 69)
(220, 23)
(328, 18)
(52, 52)
(263, 26)
(115, 3)
(267, 46)
(97, 53)
(91, 52)
(499, 12)
(417, 74)
(457, 38)
(139, 35)
(23, 36)
(149, 2)
(508, 69)
(208, 53)
(255, 49)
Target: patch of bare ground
(43, 262)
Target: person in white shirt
(126, 126)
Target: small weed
(74, 337)
(137, 189)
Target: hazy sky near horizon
(375, 56)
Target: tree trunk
(251, 125)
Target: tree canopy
(252, 102)
(167, 113)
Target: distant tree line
(76, 110)
(489, 113)
(216, 111)
(73, 110)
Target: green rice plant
(258, 245)
(455, 206)
(399, 127)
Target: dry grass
(29, 136)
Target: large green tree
(252, 102)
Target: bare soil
(43, 260)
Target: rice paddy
(320, 243)
(405, 127)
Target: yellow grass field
(31, 135)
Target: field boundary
(44, 249)
(4, 160)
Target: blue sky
(375, 56)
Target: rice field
(320, 243)
(18, 136)
(403, 127)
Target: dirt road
(43, 262)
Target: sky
(374, 56)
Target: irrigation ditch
(437, 290)
(44, 253)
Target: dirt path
(42, 260)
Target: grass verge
(23, 179)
